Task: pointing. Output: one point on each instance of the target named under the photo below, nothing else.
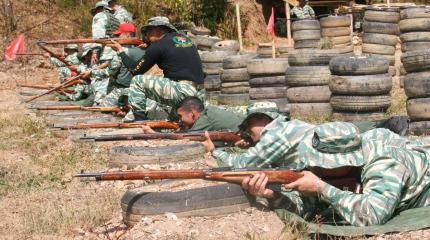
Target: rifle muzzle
(96, 176)
(87, 139)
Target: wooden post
(273, 48)
(239, 27)
(288, 15)
(388, 3)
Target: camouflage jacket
(99, 25)
(395, 171)
(113, 68)
(123, 15)
(72, 59)
(303, 13)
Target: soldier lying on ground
(71, 57)
(394, 171)
(176, 55)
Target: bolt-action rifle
(152, 124)
(276, 176)
(103, 41)
(65, 90)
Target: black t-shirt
(175, 54)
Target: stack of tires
(205, 43)
(264, 50)
(417, 88)
(235, 80)
(307, 80)
(337, 29)
(381, 30)
(306, 33)
(360, 87)
(267, 81)
(415, 28)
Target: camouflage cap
(269, 109)
(103, 4)
(89, 47)
(157, 22)
(72, 47)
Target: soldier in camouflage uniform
(71, 57)
(303, 11)
(176, 55)
(394, 171)
(104, 22)
(120, 12)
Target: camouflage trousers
(144, 90)
(113, 99)
(81, 92)
(99, 88)
(63, 73)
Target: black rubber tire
(356, 117)
(358, 65)
(237, 61)
(215, 57)
(314, 109)
(233, 99)
(226, 45)
(365, 85)
(384, 39)
(307, 76)
(132, 156)
(415, 25)
(285, 49)
(206, 201)
(382, 28)
(418, 108)
(341, 40)
(200, 31)
(335, 32)
(267, 81)
(205, 41)
(416, 61)
(415, 12)
(419, 128)
(312, 57)
(266, 51)
(212, 96)
(212, 68)
(335, 21)
(234, 90)
(306, 24)
(360, 103)
(390, 58)
(417, 85)
(267, 67)
(306, 44)
(415, 37)
(267, 92)
(381, 16)
(212, 82)
(310, 94)
(342, 46)
(234, 75)
(234, 84)
(415, 46)
(306, 35)
(378, 49)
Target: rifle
(72, 81)
(57, 56)
(152, 124)
(29, 54)
(82, 108)
(276, 176)
(223, 136)
(103, 41)
(66, 90)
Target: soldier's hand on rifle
(143, 46)
(73, 68)
(147, 129)
(242, 143)
(310, 184)
(208, 144)
(86, 74)
(115, 46)
(257, 186)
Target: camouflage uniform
(104, 23)
(303, 13)
(73, 59)
(123, 15)
(395, 171)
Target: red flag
(16, 46)
(271, 24)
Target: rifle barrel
(104, 41)
(152, 124)
(68, 83)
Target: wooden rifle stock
(57, 56)
(152, 124)
(82, 108)
(229, 137)
(72, 81)
(230, 175)
(29, 54)
(103, 41)
(45, 87)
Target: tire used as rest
(234, 75)
(382, 16)
(335, 32)
(267, 67)
(306, 24)
(419, 128)
(335, 21)
(306, 44)
(415, 61)
(233, 99)
(310, 109)
(382, 28)
(309, 94)
(415, 46)
(417, 12)
(307, 76)
(358, 65)
(365, 85)
(306, 35)
(383, 39)
(418, 108)
(267, 81)
(215, 56)
(360, 103)
(237, 61)
(267, 92)
(417, 84)
(355, 117)
(415, 37)
(415, 25)
(312, 57)
(378, 49)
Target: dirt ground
(41, 200)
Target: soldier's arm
(383, 180)
(56, 62)
(143, 65)
(112, 69)
(99, 26)
(311, 12)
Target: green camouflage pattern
(112, 99)
(104, 24)
(159, 89)
(81, 91)
(123, 15)
(395, 171)
(63, 71)
(303, 13)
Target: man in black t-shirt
(176, 55)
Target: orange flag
(271, 24)
(16, 46)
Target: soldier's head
(260, 114)
(126, 30)
(189, 111)
(71, 49)
(302, 3)
(88, 50)
(156, 27)
(113, 4)
(100, 7)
